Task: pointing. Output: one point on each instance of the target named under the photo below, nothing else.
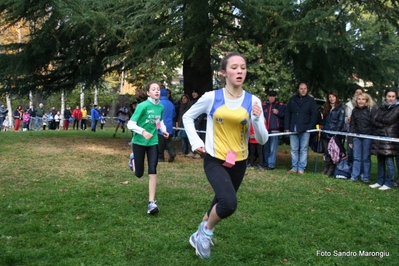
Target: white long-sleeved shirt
(228, 124)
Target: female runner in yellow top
(230, 111)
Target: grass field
(68, 198)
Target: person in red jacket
(76, 115)
(255, 150)
(17, 117)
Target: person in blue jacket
(169, 115)
(95, 116)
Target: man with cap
(274, 118)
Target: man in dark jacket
(53, 112)
(274, 117)
(39, 117)
(300, 115)
(67, 117)
(32, 120)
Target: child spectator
(102, 121)
(45, 120)
(255, 149)
(122, 118)
(6, 123)
(26, 119)
(50, 119)
(57, 119)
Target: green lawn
(64, 201)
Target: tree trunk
(10, 111)
(62, 108)
(122, 82)
(197, 72)
(30, 98)
(82, 96)
(197, 31)
(95, 95)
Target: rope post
(318, 147)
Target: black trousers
(165, 144)
(225, 182)
(139, 156)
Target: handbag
(333, 150)
(315, 144)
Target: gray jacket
(3, 112)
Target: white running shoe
(384, 187)
(152, 208)
(376, 185)
(203, 243)
(131, 162)
(193, 239)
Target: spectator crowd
(345, 156)
(37, 118)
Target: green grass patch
(64, 201)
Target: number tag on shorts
(230, 159)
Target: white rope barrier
(383, 138)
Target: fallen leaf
(328, 189)
(63, 190)
(79, 217)
(124, 182)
